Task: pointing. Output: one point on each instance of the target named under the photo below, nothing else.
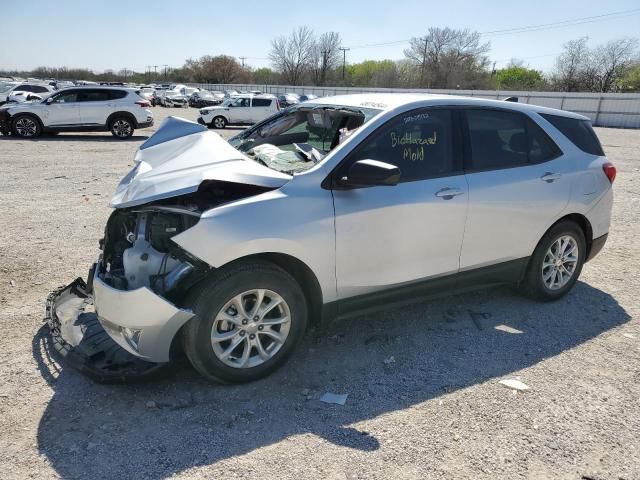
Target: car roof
(390, 101)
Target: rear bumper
(596, 246)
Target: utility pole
(243, 59)
(424, 60)
(148, 72)
(344, 59)
(155, 71)
(165, 71)
(323, 66)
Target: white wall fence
(620, 110)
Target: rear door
(96, 105)
(391, 236)
(518, 185)
(260, 109)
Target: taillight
(143, 103)
(610, 171)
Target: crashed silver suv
(336, 206)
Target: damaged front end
(120, 324)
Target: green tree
(517, 77)
(630, 82)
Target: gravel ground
(424, 399)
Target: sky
(134, 35)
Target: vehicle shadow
(76, 137)
(385, 362)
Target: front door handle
(550, 177)
(448, 193)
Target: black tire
(122, 127)
(219, 122)
(209, 298)
(533, 284)
(26, 126)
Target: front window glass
(420, 143)
(70, 97)
(297, 139)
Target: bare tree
(573, 71)
(613, 60)
(446, 56)
(292, 55)
(325, 56)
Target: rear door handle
(448, 193)
(550, 177)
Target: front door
(393, 236)
(239, 111)
(63, 110)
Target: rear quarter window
(578, 131)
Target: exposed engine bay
(137, 247)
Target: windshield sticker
(373, 105)
(416, 118)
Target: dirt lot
(424, 399)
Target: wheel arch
(301, 272)
(13, 118)
(583, 223)
(115, 115)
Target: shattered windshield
(300, 137)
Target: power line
(530, 28)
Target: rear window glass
(261, 102)
(502, 139)
(116, 94)
(578, 131)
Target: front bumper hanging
(83, 344)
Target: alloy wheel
(560, 262)
(26, 127)
(250, 328)
(122, 128)
(219, 122)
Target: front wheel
(121, 127)
(219, 122)
(26, 126)
(247, 321)
(556, 263)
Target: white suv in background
(80, 109)
(244, 109)
(22, 90)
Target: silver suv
(79, 109)
(336, 207)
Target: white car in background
(79, 109)
(40, 89)
(245, 109)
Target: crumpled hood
(179, 157)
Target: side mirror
(49, 101)
(370, 173)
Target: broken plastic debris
(337, 398)
(507, 329)
(389, 361)
(514, 384)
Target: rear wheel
(219, 122)
(121, 127)
(556, 263)
(26, 126)
(247, 321)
